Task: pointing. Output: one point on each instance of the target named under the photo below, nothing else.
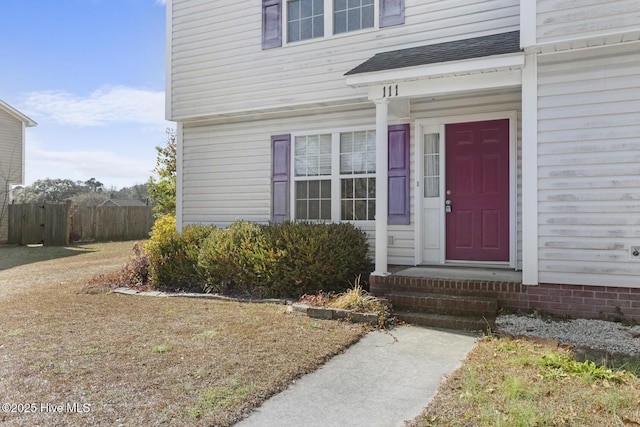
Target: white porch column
(382, 183)
(530, 171)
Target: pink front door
(477, 191)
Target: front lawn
(109, 359)
(508, 383)
(78, 355)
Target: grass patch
(95, 348)
(216, 399)
(587, 370)
(506, 382)
(211, 333)
(161, 348)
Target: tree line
(91, 192)
(159, 191)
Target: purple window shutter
(280, 177)
(391, 12)
(271, 23)
(399, 170)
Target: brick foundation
(590, 302)
(582, 301)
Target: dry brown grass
(509, 383)
(138, 360)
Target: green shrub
(283, 260)
(275, 260)
(313, 257)
(237, 258)
(173, 257)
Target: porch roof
(477, 47)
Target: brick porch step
(443, 321)
(435, 286)
(447, 304)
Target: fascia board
(431, 70)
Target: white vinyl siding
(10, 148)
(219, 68)
(559, 20)
(227, 167)
(10, 163)
(589, 166)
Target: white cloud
(161, 1)
(119, 104)
(112, 169)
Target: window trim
(285, 22)
(335, 176)
(328, 24)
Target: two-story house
(12, 137)
(495, 134)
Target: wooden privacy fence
(58, 224)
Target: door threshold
(476, 264)
(464, 272)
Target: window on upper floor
(352, 15)
(309, 19)
(305, 19)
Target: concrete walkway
(383, 380)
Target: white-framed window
(431, 150)
(352, 15)
(357, 175)
(334, 176)
(288, 22)
(312, 167)
(312, 19)
(305, 19)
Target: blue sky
(91, 73)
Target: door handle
(447, 206)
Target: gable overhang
(17, 114)
(498, 71)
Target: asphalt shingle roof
(477, 47)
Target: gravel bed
(608, 337)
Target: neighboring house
(123, 202)
(485, 133)
(12, 140)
